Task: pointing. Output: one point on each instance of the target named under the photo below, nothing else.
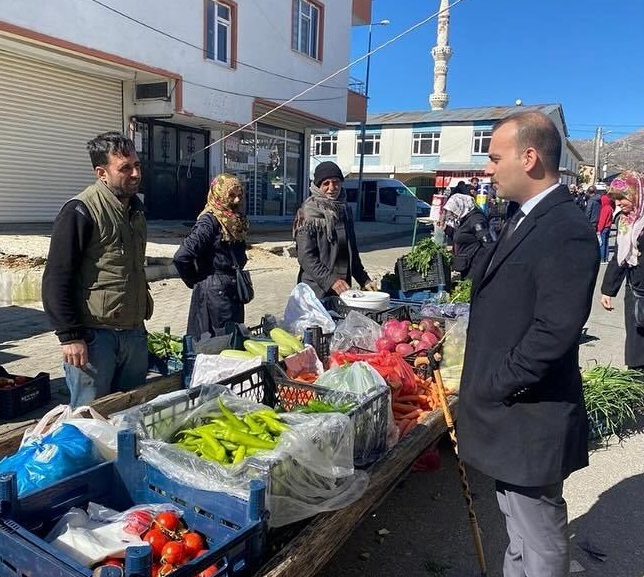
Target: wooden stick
(474, 526)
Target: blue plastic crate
(235, 529)
(163, 366)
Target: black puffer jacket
(472, 239)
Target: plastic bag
(304, 362)
(453, 352)
(210, 369)
(304, 310)
(355, 331)
(41, 462)
(91, 536)
(357, 378)
(90, 422)
(310, 471)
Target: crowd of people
(522, 418)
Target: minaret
(441, 54)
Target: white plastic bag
(211, 369)
(304, 310)
(356, 331)
(86, 419)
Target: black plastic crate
(438, 274)
(23, 397)
(341, 310)
(270, 386)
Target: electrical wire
(200, 48)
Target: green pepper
(214, 447)
(241, 438)
(275, 426)
(240, 454)
(255, 427)
(232, 417)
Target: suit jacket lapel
(504, 249)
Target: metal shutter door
(47, 115)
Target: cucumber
(234, 354)
(286, 339)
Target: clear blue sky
(587, 55)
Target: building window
(482, 141)
(307, 20)
(426, 142)
(220, 28)
(371, 145)
(325, 145)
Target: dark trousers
(536, 519)
(214, 302)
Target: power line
(200, 48)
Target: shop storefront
(269, 160)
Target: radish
(430, 338)
(415, 334)
(404, 349)
(389, 326)
(421, 346)
(399, 334)
(385, 344)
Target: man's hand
(607, 303)
(372, 285)
(75, 353)
(340, 286)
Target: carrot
(402, 407)
(411, 399)
(408, 427)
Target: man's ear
(530, 159)
(100, 173)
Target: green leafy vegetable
(462, 292)
(423, 255)
(164, 345)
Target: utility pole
(597, 145)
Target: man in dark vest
(94, 287)
(522, 419)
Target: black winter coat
(613, 280)
(522, 418)
(318, 256)
(472, 239)
(205, 263)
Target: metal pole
(597, 143)
(363, 127)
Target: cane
(474, 526)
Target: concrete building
(430, 150)
(178, 77)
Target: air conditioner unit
(152, 91)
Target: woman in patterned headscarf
(207, 258)
(472, 235)
(627, 190)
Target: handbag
(638, 307)
(245, 290)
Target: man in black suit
(522, 418)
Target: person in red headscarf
(627, 190)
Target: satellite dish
(518, 102)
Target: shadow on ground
(22, 322)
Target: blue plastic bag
(60, 454)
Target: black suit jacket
(522, 418)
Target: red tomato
(168, 521)
(193, 542)
(157, 540)
(173, 553)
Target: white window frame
(372, 140)
(305, 15)
(422, 138)
(321, 141)
(480, 138)
(225, 24)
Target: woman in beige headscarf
(627, 190)
(208, 257)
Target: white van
(384, 200)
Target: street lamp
(363, 126)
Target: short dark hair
(103, 145)
(538, 131)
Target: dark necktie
(506, 233)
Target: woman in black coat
(208, 257)
(326, 244)
(627, 190)
(472, 235)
